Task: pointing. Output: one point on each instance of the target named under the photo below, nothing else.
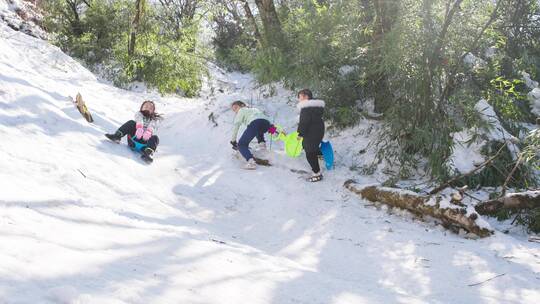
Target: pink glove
(272, 129)
(139, 130)
(147, 134)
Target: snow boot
(316, 177)
(116, 137)
(147, 155)
(251, 165)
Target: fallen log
(511, 201)
(452, 216)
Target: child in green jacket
(257, 124)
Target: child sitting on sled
(257, 124)
(141, 130)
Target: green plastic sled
(293, 146)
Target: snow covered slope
(24, 16)
(82, 220)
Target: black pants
(130, 127)
(313, 160)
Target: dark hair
(154, 115)
(239, 103)
(306, 92)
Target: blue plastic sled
(135, 145)
(328, 154)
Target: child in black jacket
(311, 129)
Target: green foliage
(521, 33)
(425, 63)
(322, 39)
(406, 142)
(234, 45)
(90, 34)
(531, 150)
(270, 65)
(344, 116)
(530, 219)
(239, 58)
(462, 108)
(166, 58)
(495, 174)
(510, 102)
(171, 66)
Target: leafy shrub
(165, 59)
(495, 174)
(270, 65)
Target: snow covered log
(511, 201)
(452, 216)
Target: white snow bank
(466, 153)
(473, 62)
(346, 69)
(496, 131)
(531, 84)
(68, 295)
(530, 193)
(534, 98)
(534, 94)
(22, 16)
(491, 51)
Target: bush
(169, 61)
(344, 116)
(241, 58)
(100, 28)
(530, 219)
(270, 65)
(234, 45)
(496, 173)
(321, 39)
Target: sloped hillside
(83, 220)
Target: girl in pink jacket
(142, 130)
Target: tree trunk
(139, 10)
(511, 201)
(75, 20)
(251, 19)
(273, 33)
(452, 218)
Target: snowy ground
(22, 15)
(83, 220)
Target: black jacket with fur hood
(311, 125)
